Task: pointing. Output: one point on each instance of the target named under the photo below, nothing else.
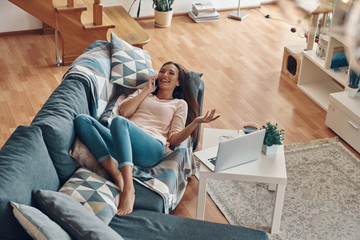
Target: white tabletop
(268, 168)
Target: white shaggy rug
(322, 197)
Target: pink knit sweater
(160, 118)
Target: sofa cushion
(195, 82)
(197, 87)
(37, 224)
(74, 218)
(131, 66)
(142, 224)
(95, 193)
(56, 122)
(84, 158)
(25, 165)
(147, 199)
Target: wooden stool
(292, 60)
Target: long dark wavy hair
(183, 91)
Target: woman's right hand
(151, 83)
(129, 107)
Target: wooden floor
(241, 62)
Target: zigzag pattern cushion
(95, 193)
(131, 66)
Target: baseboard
(32, 31)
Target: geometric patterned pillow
(95, 193)
(130, 66)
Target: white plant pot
(269, 150)
(163, 19)
(352, 92)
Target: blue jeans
(123, 141)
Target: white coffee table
(267, 169)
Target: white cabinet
(326, 86)
(316, 78)
(343, 117)
(317, 81)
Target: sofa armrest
(200, 99)
(56, 122)
(25, 165)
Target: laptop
(233, 152)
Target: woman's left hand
(177, 138)
(209, 117)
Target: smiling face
(168, 77)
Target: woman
(151, 120)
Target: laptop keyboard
(212, 160)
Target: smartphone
(156, 82)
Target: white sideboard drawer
(343, 125)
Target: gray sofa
(37, 157)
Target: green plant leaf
(162, 5)
(273, 135)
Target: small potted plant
(163, 12)
(273, 137)
(353, 85)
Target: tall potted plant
(163, 12)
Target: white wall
(179, 6)
(13, 18)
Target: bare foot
(127, 200)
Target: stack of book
(203, 12)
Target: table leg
(201, 197)
(271, 187)
(278, 206)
